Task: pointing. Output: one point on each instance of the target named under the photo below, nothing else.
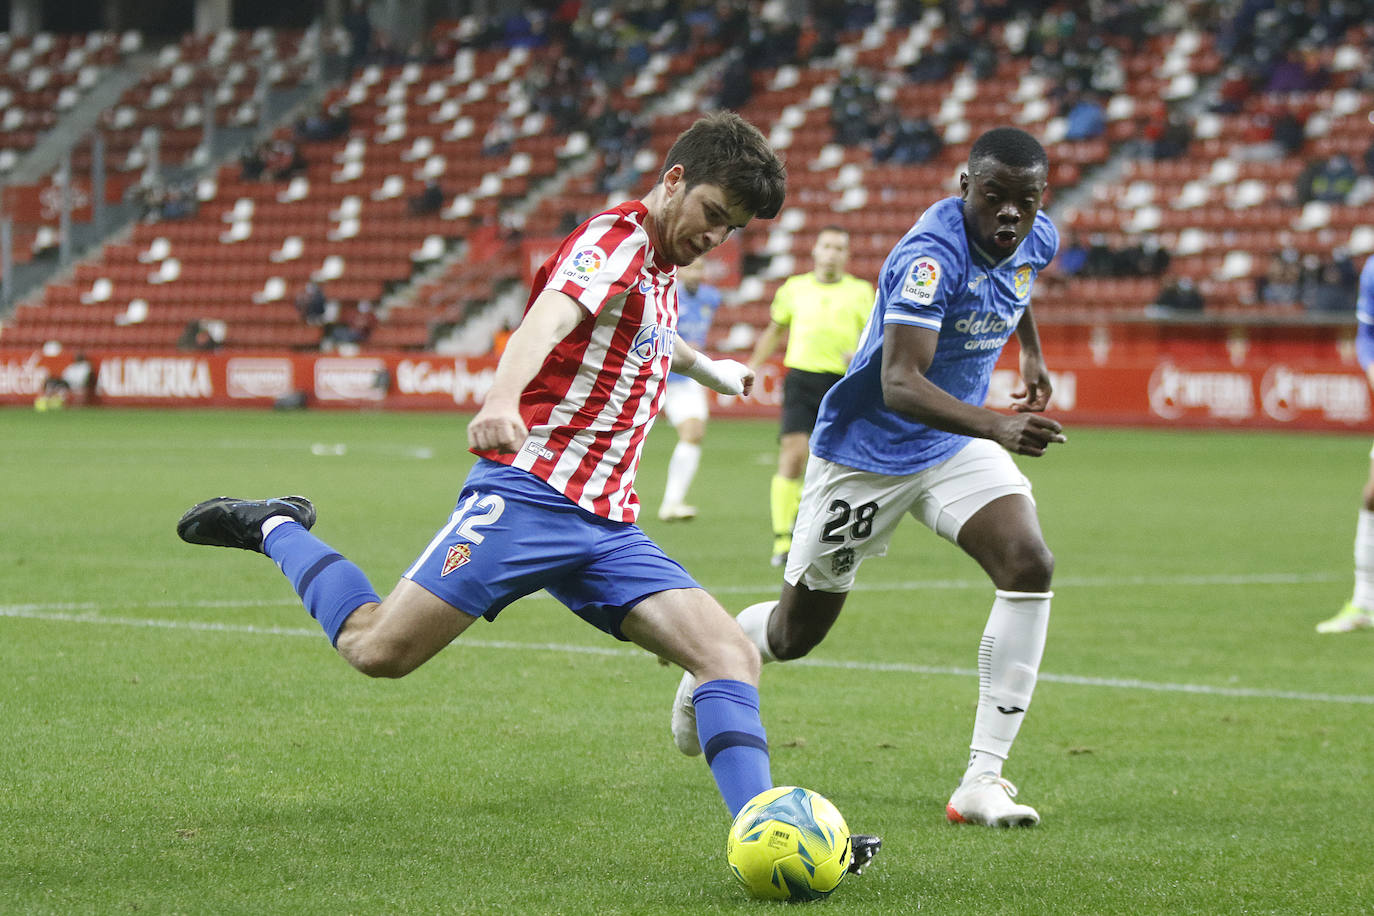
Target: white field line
(92, 613)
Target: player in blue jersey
(684, 401)
(905, 432)
(1358, 613)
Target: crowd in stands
(160, 200)
(1318, 285)
(589, 57)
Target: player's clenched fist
(498, 431)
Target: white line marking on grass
(90, 612)
(1063, 582)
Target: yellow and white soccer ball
(789, 843)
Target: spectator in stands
(568, 220)
(284, 160)
(1073, 256)
(352, 331)
(1169, 136)
(201, 336)
(323, 125)
(736, 83)
(1099, 260)
(1299, 70)
(147, 195)
(430, 199)
(1145, 258)
(906, 141)
(178, 202)
(1330, 180)
(1085, 118)
(618, 172)
(1369, 160)
(607, 125)
(1333, 286)
(935, 63)
(253, 161)
(359, 27)
(1289, 134)
(499, 137)
(1282, 280)
(853, 109)
(312, 304)
(1237, 85)
(1179, 296)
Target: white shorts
(685, 400)
(847, 516)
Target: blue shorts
(512, 534)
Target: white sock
(1364, 561)
(682, 467)
(1008, 663)
(269, 525)
(754, 621)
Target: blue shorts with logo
(512, 534)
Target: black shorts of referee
(801, 399)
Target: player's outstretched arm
(907, 354)
(724, 376)
(498, 425)
(1034, 393)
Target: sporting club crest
(458, 554)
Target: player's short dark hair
(723, 149)
(1010, 146)
(833, 227)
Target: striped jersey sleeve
(591, 405)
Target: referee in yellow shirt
(822, 313)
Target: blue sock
(733, 740)
(330, 586)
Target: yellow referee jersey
(824, 320)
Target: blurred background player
(905, 432)
(684, 403)
(822, 313)
(1358, 613)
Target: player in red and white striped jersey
(586, 429)
(550, 503)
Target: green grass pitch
(178, 737)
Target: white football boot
(986, 798)
(685, 717)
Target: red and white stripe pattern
(590, 408)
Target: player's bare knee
(1026, 567)
(736, 661)
(743, 658)
(379, 658)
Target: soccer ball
(789, 844)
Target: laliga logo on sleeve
(583, 265)
(922, 281)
